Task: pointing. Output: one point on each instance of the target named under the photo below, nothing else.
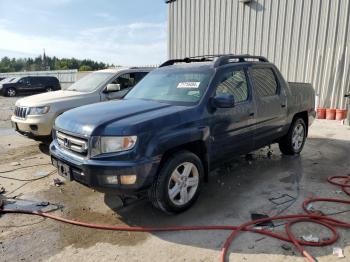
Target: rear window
(51, 79)
(264, 80)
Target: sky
(122, 32)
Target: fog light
(128, 180)
(111, 180)
(33, 127)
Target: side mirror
(112, 88)
(223, 101)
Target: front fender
(167, 141)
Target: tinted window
(125, 80)
(265, 83)
(139, 76)
(234, 83)
(36, 80)
(53, 80)
(24, 80)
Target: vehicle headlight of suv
(41, 110)
(111, 144)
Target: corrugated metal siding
(308, 40)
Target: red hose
(345, 185)
(328, 222)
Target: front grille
(74, 144)
(21, 111)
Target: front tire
(177, 185)
(11, 92)
(293, 142)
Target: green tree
(54, 63)
(85, 68)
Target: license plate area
(64, 171)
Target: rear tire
(293, 142)
(177, 185)
(11, 92)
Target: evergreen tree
(45, 62)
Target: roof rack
(219, 60)
(225, 59)
(186, 60)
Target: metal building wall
(308, 40)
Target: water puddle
(7, 131)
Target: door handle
(251, 114)
(283, 105)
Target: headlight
(39, 110)
(111, 144)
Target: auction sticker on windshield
(188, 85)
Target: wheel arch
(198, 148)
(305, 116)
(10, 87)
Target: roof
(119, 69)
(201, 65)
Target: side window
(139, 76)
(24, 80)
(36, 80)
(234, 83)
(125, 80)
(264, 80)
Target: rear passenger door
(270, 100)
(37, 84)
(232, 129)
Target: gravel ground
(234, 192)
(7, 105)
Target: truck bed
(303, 95)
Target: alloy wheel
(183, 183)
(298, 136)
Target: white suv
(34, 116)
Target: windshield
(185, 86)
(90, 82)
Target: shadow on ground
(258, 185)
(235, 190)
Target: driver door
(232, 129)
(24, 85)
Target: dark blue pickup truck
(181, 121)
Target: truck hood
(114, 117)
(49, 98)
